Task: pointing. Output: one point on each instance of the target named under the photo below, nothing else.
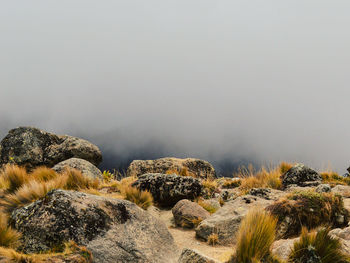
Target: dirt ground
(185, 238)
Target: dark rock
(323, 188)
(261, 192)
(168, 189)
(33, 147)
(197, 167)
(188, 214)
(113, 230)
(301, 175)
(87, 168)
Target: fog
(228, 81)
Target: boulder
(193, 256)
(168, 189)
(197, 167)
(323, 188)
(344, 235)
(87, 168)
(225, 222)
(301, 175)
(188, 214)
(283, 247)
(33, 147)
(113, 230)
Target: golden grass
(255, 237)
(42, 174)
(207, 206)
(317, 247)
(14, 177)
(210, 185)
(27, 194)
(332, 178)
(182, 172)
(75, 180)
(8, 236)
(70, 248)
(143, 199)
(264, 178)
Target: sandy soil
(186, 239)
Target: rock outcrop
(301, 175)
(168, 189)
(188, 214)
(199, 168)
(87, 168)
(225, 222)
(193, 256)
(33, 147)
(113, 230)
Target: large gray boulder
(87, 168)
(33, 147)
(197, 167)
(113, 230)
(193, 256)
(168, 189)
(301, 175)
(188, 214)
(225, 222)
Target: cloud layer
(228, 81)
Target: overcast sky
(223, 80)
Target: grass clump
(182, 172)
(213, 239)
(332, 178)
(143, 199)
(27, 194)
(309, 209)
(255, 237)
(210, 186)
(75, 180)
(317, 247)
(264, 178)
(207, 206)
(14, 177)
(231, 183)
(42, 174)
(8, 236)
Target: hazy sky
(223, 80)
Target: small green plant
(255, 237)
(317, 247)
(107, 176)
(143, 199)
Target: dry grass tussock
(207, 206)
(143, 199)
(255, 237)
(264, 178)
(8, 236)
(333, 178)
(182, 172)
(317, 247)
(309, 209)
(13, 177)
(70, 247)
